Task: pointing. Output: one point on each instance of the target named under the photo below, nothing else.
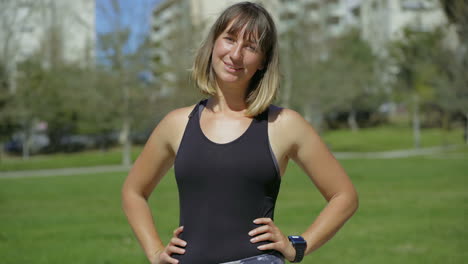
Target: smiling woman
(230, 152)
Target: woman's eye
(252, 47)
(229, 39)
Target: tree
(123, 62)
(431, 71)
(301, 54)
(352, 65)
(43, 85)
(416, 56)
(54, 95)
(457, 14)
(15, 17)
(328, 73)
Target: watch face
(297, 239)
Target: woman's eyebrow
(249, 39)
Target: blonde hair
(264, 85)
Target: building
(384, 20)
(173, 26)
(177, 19)
(53, 29)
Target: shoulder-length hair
(259, 25)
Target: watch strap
(300, 246)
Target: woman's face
(235, 59)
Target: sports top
(223, 187)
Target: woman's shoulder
(282, 116)
(171, 128)
(178, 117)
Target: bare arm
(153, 163)
(312, 155)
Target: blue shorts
(273, 258)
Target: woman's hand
(269, 231)
(164, 256)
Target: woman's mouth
(232, 68)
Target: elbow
(125, 196)
(128, 194)
(349, 202)
(353, 200)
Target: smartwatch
(300, 245)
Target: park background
(83, 84)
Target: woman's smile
(235, 59)
(232, 68)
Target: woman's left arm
(307, 149)
(313, 156)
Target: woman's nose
(236, 52)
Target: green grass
(389, 138)
(66, 160)
(411, 211)
(371, 139)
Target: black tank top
(222, 189)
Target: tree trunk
(416, 122)
(27, 140)
(286, 98)
(125, 135)
(314, 115)
(1, 151)
(353, 125)
(126, 143)
(466, 128)
(445, 127)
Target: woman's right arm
(153, 163)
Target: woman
(229, 153)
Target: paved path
(63, 172)
(404, 153)
(435, 152)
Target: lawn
(369, 139)
(389, 138)
(411, 211)
(66, 160)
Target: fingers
(178, 230)
(264, 220)
(174, 247)
(259, 230)
(266, 236)
(166, 258)
(268, 232)
(268, 226)
(179, 242)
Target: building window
(288, 15)
(27, 29)
(356, 11)
(334, 20)
(312, 6)
(314, 27)
(410, 5)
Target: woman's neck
(228, 101)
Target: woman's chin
(228, 78)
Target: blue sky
(135, 14)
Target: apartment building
(30, 24)
(176, 18)
(384, 20)
(55, 29)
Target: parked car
(38, 143)
(73, 143)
